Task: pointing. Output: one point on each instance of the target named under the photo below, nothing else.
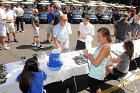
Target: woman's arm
(105, 51)
(118, 55)
(115, 60)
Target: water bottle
(43, 56)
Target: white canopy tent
(61, 4)
(44, 3)
(91, 4)
(56, 1)
(17, 0)
(27, 2)
(9, 2)
(69, 2)
(77, 4)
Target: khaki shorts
(50, 28)
(36, 31)
(10, 27)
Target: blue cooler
(55, 62)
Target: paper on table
(89, 42)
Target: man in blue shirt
(50, 18)
(56, 15)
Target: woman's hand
(90, 56)
(85, 51)
(82, 37)
(116, 60)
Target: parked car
(93, 18)
(76, 18)
(104, 19)
(27, 17)
(43, 17)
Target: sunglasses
(64, 20)
(7, 6)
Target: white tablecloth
(69, 68)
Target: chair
(130, 77)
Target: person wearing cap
(132, 11)
(2, 28)
(122, 29)
(61, 34)
(35, 25)
(86, 29)
(56, 15)
(19, 20)
(10, 19)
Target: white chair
(130, 77)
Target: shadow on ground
(107, 86)
(33, 48)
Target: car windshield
(27, 15)
(77, 16)
(91, 16)
(43, 15)
(105, 16)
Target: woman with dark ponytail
(120, 65)
(31, 78)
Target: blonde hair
(63, 16)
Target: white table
(69, 69)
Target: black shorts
(94, 84)
(117, 73)
(80, 45)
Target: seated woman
(31, 78)
(120, 65)
(98, 60)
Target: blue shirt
(56, 17)
(50, 17)
(37, 83)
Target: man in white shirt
(2, 28)
(10, 19)
(61, 34)
(86, 30)
(19, 20)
